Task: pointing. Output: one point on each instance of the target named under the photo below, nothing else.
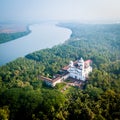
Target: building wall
(77, 73)
(88, 70)
(79, 76)
(65, 76)
(48, 83)
(58, 81)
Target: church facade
(79, 69)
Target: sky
(59, 10)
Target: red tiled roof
(54, 80)
(75, 62)
(45, 78)
(50, 80)
(88, 61)
(65, 68)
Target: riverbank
(9, 32)
(43, 35)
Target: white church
(79, 69)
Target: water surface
(44, 35)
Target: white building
(79, 69)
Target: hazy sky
(59, 9)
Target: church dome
(81, 60)
(71, 63)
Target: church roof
(87, 63)
(66, 67)
(45, 79)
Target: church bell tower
(81, 67)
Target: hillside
(24, 96)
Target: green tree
(4, 113)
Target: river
(44, 35)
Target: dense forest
(23, 96)
(5, 37)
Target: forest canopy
(24, 96)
